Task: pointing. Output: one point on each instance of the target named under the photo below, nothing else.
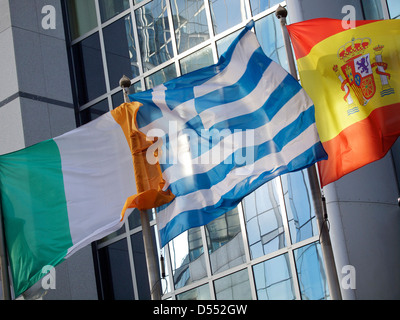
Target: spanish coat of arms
(358, 69)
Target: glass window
(311, 273)
(110, 8)
(116, 271)
(197, 60)
(299, 206)
(120, 50)
(258, 6)
(94, 111)
(82, 17)
(118, 98)
(187, 258)
(394, 8)
(190, 23)
(263, 218)
(112, 235)
(226, 14)
(225, 242)
(154, 35)
(139, 261)
(224, 43)
(89, 70)
(161, 76)
(269, 34)
(199, 293)
(273, 279)
(236, 286)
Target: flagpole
(5, 281)
(150, 253)
(318, 198)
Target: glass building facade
(266, 248)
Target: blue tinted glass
(394, 8)
(299, 206)
(273, 279)
(187, 258)
(199, 293)
(161, 76)
(120, 50)
(110, 8)
(197, 60)
(226, 14)
(264, 222)
(311, 272)
(116, 271)
(269, 35)
(94, 111)
(154, 35)
(258, 6)
(225, 242)
(89, 69)
(236, 286)
(190, 23)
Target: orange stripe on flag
(361, 143)
(149, 180)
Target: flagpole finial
(281, 12)
(125, 83)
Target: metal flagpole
(150, 253)
(5, 281)
(318, 198)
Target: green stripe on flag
(34, 211)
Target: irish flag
(353, 78)
(61, 194)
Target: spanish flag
(353, 78)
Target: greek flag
(225, 130)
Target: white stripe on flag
(208, 197)
(286, 115)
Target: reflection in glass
(236, 286)
(120, 50)
(299, 206)
(258, 6)
(94, 111)
(110, 8)
(226, 14)
(190, 23)
(224, 43)
(225, 242)
(82, 17)
(197, 60)
(394, 8)
(273, 279)
(154, 35)
(264, 220)
(89, 70)
(311, 273)
(269, 34)
(161, 76)
(199, 293)
(187, 258)
(116, 271)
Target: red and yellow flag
(353, 78)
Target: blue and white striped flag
(226, 130)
